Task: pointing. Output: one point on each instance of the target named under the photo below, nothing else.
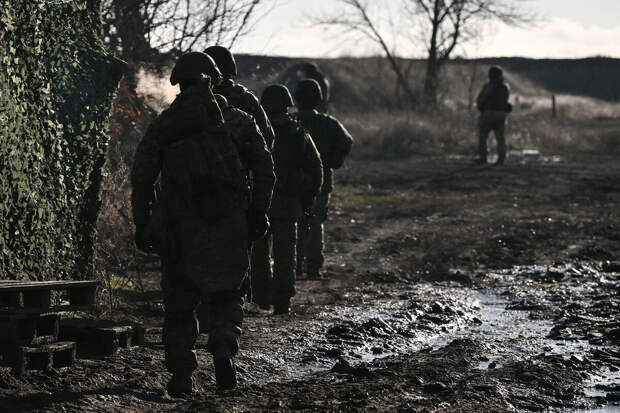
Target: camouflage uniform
(492, 102)
(203, 260)
(299, 177)
(241, 98)
(334, 143)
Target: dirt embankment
(450, 288)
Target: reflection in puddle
(429, 315)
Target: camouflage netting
(56, 87)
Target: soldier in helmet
(310, 70)
(205, 227)
(492, 102)
(334, 144)
(299, 176)
(236, 94)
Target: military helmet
(276, 98)
(192, 65)
(495, 72)
(224, 60)
(309, 93)
(309, 67)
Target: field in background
(366, 97)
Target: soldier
(206, 220)
(236, 94)
(311, 71)
(299, 176)
(334, 144)
(492, 102)
(245, 132)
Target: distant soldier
(206, 220)
(334, 144)
(236, 94)
(299, 177)
(492, 102)
(311, 71)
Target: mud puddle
(396, 322)
(513, 335)
(405, 319)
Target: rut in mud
(450, 288)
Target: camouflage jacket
(494, 96)
(254, 155)
(241, 98)
(212, 255)
(191, 113)
(299, 171)
(332, 140)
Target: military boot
(225, 373)
(180, 385)
(313, 274)
(281, 306)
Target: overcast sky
(567, 28)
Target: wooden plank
(8, 285)
(24, 330)
(101, 336)
(64, 356)
(44, 357)
(31, 311)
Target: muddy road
(450, 288)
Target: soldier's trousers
(222, 311)
(310, 244)
(492, 120)
(271, 286)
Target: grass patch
(354, 197)
(121, 283)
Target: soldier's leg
(224, 326)
(180, 332)
(300, 246)
(260, 272)
(483, 134)
(499, 131)
(314, 243)
(284, 240)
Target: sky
(565, 29)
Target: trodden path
(449, 288)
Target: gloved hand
(258, 225)
(143, 243)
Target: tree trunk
(432, 75)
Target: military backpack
(204, 172)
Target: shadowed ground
(450, 287)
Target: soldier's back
(329, 135)
(242, 98)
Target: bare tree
(444, 24)
(137, 29)
(360, 21)
(448, 23)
